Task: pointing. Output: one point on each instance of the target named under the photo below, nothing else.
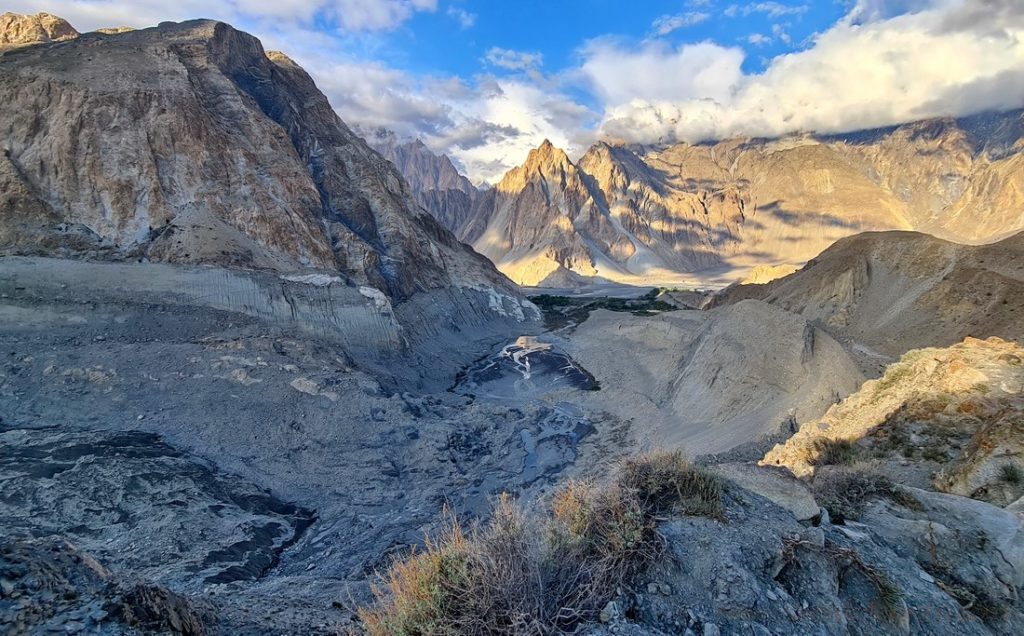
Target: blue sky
(486, 81)
(437, 42)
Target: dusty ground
(239, 459)
(266, 472)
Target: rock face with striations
(187, 143)
(435, 182)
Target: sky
(485, 81)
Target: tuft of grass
(843, 493)
(1011, 474)
(890, 596)
(895, 375)
(834, 452)
(518, 574)
(418, 587)
(667, 480)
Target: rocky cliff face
(187, 143)
(653, 214)
(18, 30)
(435, 182)
(546, 217)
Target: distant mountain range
(721, 210)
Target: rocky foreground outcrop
(946, 419)
(50, 586)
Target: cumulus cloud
(513, 60)
(657, 71)
(886, 62)
(873, 68)
(668, 23)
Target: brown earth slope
(886, 293)
(949, 419)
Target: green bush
(1011, 474)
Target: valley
(260, 375)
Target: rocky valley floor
(211, 471)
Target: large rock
(22, 30)
(779, 487)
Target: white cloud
(950, 57)
(886, 62)
(758, 39)
(780, 32)
(513, 60)
(668, 23)
(347, 15)
(658, 72)
(774, 9)
(463, 17)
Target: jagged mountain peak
(546, 162)
(653, 213)
(547, 154)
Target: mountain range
(251, 386)
(718, 211)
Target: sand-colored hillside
(709, 381)
(942, 418)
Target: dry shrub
(518, 574)
(663, 481)
(1011, 474)
(844, 492)
(834, 452)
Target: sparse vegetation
(518, 574)
(832, 452)
(844, 492)
(894, 376)
(890, 597)
(1011, 474)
